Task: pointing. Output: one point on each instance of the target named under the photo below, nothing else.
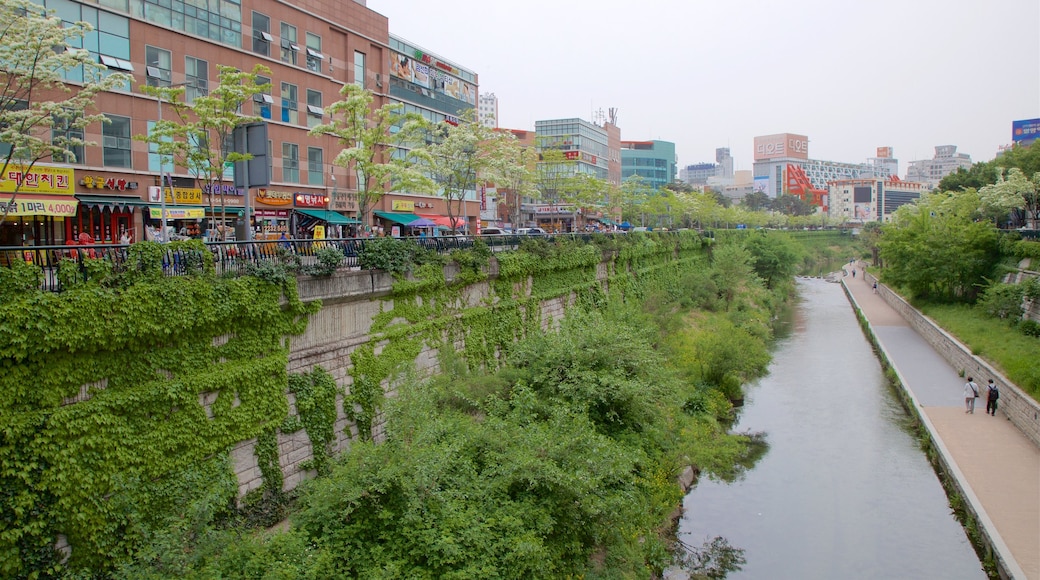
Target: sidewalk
(996, 465)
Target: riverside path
(995, 464)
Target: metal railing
(235, 258)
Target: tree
(1025, 158)
(635, 193)
(199, 136)
(975, 177)
(938, 249)
(757, 201)
(460, 155)
(792, 205)
(520, 181)
(552, 175)
(586, 193)
(378, 145)
(41, 117)
(1015, 193)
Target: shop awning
(217, 210)
(26, 204)
(121, 203)
(177, 212)
(606, 221)
(334, 218)
(444, 221)
(397, 217)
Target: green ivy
(316, 405)
(105, 383)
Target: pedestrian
(971, 392)
(853, 272)
(875, 287)
(991, 398)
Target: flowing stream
(844, 490)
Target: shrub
(1002, 301)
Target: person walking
(875, 287)
(971, 392)
(991, 398)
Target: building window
(290, 49)
(262, 34)
(289, 103)
(314, 55)
(196, 78)
(314, 110)
(157, 69)
(262, 101)
(156, 162)
(359, 69)
(70, 138)
(291, 162)
(116, 141)
(315, 166)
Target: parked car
(493, 231)
(530, 232)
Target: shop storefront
(38, 214)
(272, 211)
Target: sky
(851, 75)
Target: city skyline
(852, 77)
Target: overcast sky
(851, 75)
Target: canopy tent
(422, 223)
(333, 218)
(397, 217)
(626, 226)
(444, 222)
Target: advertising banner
(1026, 130)
(782, 145)
(421, 74)
(26, 205)
(402, 205)
(38, 179)
(401, 67)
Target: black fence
(235, 258)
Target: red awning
(442, 220)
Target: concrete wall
(1021, 409)
(350, 302)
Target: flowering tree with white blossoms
(43, 117)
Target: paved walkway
(997, 465)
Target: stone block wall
(350, 302)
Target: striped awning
(117, 203)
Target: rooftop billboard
(1025, 131)
(782, 145)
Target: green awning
(216, 210)
(607, 221)
(397, 217)
(331, 217)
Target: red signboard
(311, 200)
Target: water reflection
(843, 489)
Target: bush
(1002, 301)
(329, 259)
(388, 254)
(1029, 328)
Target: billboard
(1025, 131)
(782, 145)
(884, 152)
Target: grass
(996, 341)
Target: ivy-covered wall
(114, 389)
(373, 328)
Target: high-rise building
(312, 48)
(931, 171)
(870, 200)
(782, 160)
(654, 161)
(725, 161)
(487, 110)
(699, 173)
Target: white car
(530, 232)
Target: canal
(844, 490)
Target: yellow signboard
(178, 213)
(52, 205)
(185, 195)
(402, 205)
(38, 179)
(319, 232)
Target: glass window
(116, 141)
(289, 104)
(157, 66)
(291, 162)
(156, 162)
(290, 49)
(359, 69)
(314, 54)
(315, 112)
(262, 34)
(69, 138)
(262, 101)
(315, 166)
(196, 78)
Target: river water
(844, 490)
